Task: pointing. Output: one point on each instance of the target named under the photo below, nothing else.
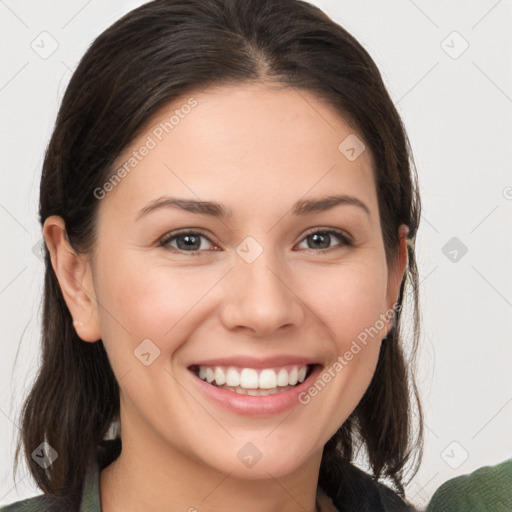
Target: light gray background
(457, 110)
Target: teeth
(232, 377)
(255, 392)
(210, 376)
(268, 379)
(293, 376)
(282, 377)
(220, 378)
(249, 378)
(251, 381)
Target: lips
(246, 375)
(263, 389)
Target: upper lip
(246, 361)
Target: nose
(260, 298)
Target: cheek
(349, 299)
(141, 301)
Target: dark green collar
(107, 452)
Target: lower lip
(257, 405)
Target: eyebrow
(301, 207)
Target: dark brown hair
(157, 52)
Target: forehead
(247, 145)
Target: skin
(256, 150)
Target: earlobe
(74, 274)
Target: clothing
(363, 494)
(488, 489)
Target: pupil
(325, 237)
(190, 241)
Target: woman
(229, 213)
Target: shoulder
(487, 488)
(40, 503)
(45, 503)
(88, 499)
(356, 490)
(35, 504)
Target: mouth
(254, 381)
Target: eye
(186, 241)
(320, 239)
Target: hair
(154, 54)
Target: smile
(252, 381)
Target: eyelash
(172, 236)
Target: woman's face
(265, 279)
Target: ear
(74, 274)
(396, 273)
